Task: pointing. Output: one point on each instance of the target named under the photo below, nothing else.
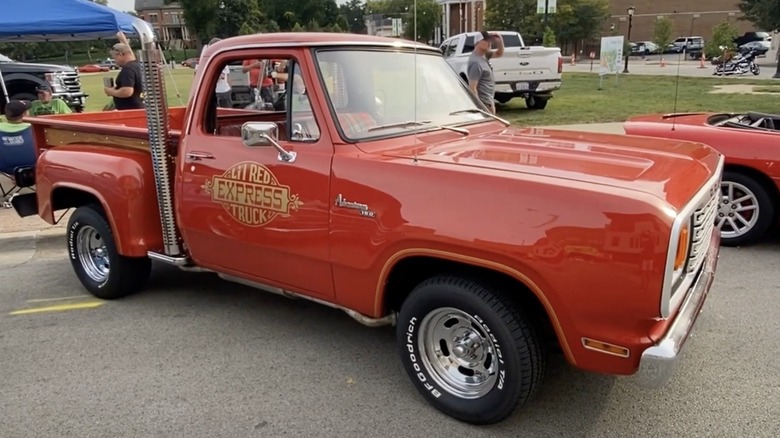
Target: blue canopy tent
(63, 20)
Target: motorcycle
(739, 65)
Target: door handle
(197, 155)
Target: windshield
(4, 58)
(380, 93)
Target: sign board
(552, 6)
(611, 55)
(397, 29)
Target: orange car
(750, 191)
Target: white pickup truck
(531, 72)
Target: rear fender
(119, 180)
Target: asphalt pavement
(195, 356)
(674, 66)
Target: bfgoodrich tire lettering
(468, 349)
(92, 251)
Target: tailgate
(527, 64)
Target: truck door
(245, 206)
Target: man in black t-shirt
(129, 86)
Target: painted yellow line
(75, 297)
(59, 308)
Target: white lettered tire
(92, 251)
(468, 349)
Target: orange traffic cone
(663, 62)
(701, 63)
(573, 59)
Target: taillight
(560, 64)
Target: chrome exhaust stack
(159, 142)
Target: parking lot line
(58, 308)
(75, 297)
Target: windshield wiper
(477, 110)
(418, 123)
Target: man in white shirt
(223, 89)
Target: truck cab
(382, 187)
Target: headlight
(683, 249)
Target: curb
(19, 239)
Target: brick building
(168, 22)
(689, 17)
(460, 16)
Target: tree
(353, 12)
(723, 34)
(662, 36)
(201, 17)
(428, 14)
(549, 38)
(765, 14)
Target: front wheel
(746, 210)
(755, 69)
(469, 350)
(93, 254)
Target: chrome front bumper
(658, 362)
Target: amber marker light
(604, 347)
(683, 245)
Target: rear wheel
(536, 102)
(93, 254)
(469, 349)
(745, 212)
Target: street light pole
(777, 73)
(630, 11)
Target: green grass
(767, 89)
(580, 100)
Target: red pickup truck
(374, 182)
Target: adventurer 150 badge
(251, 194)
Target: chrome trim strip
(668, 303)
(368, 321)
(657, 363)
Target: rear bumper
(529, 87)
(659, 361)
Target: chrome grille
(71, 81)
(702, 228)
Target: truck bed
(108, 127)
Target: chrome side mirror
(260, 134)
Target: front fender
(121, 180)
(21, 78)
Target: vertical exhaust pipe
(159, 142)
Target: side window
(468, 46)
(303, 125)
(449, 47)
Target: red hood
(671, 170)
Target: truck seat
(355, 123)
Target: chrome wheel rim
(738, 210)
(458, 352)
(92, 253)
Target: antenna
(677, 83)
(415, 78)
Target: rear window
(511, 40)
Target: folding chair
(17, 151)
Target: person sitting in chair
(14, 113)
(16, 145)
(46, 105)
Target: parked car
(692, 46)
(643, 48)
(384, 190)
(752, 36)
(92, 68)
(750, 143)
(760, 47)
(22, 78)
(529, 72)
